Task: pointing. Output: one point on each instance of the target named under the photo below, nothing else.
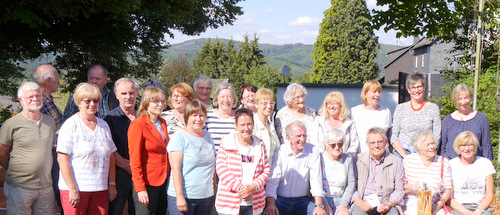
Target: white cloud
(309, 33)
(305, 20)
(282, 36)
(371, 3)
(249, 20)
(264, 31)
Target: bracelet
(112, 183)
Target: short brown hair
(250, 87)
(242, 112)
(182, 88)
(192, 107)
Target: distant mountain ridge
(297, 54)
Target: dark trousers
(157, 201)
(54, 173)
(124, 189)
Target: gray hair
(203, 79)
(376, 130)
(125, 80)
(221, 87)
(290, 90)
(42, 75)
(289, 127)
(333, 135)
(27, 86)
(421, 136)
(414, 78)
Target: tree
(176, 71)
(447, 20)
(346, 48)
(125, 36)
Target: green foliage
(124, 36)
(176, 71)
(346, 48)
(5, 114)
(240, 65)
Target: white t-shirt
(247, 163)
(469, 181)
(366, 119)
(89, 153)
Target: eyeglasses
(159, 102)
(333, 145)
(416, 87)
(88, 101)
(250, 97)
(204, 88)
(267, 103)
(376, 142)
(296, 98)
(469, 145)
(177, 96)
(33, 97)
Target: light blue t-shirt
(198, 164)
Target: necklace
(418, 109)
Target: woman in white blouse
(263, 129)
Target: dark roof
(406, 49)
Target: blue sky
(281, 22)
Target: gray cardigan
(346, 160)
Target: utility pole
(479, 44)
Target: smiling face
(247, 99)
(97, 77)
(335, 148)
(89, 106)
(428, 147)
(333, 109)
(203, 90)
(298, 100)
(372, 97)
(126, 93)
(376, 144)
(467, 150)
(31, 100)
(156, 106)
(416, 90)
(179, 101)
(298, 139)
(463, 102)
(225, 100)
(265, 107)
(244, 126)
(196, 121)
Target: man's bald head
(47, 77)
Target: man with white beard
(26, 154)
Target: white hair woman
(295, 110)
(426, 170)
(338, 173)
(220, 120)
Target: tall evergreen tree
(346, 48)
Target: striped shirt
(50, 108)
(218, 127)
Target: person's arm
(396, 128)
(351, 184)
(67, 175)
(278, 126)
(488, 199)
(399, 192)
(442, 201)
(354, 141)
(175, 158)
(272, 185)
(122, 163)
(444, 137)
(4, 156)
(136, 146)
(112, 178)
(486, 140)
(226, 176)
(258, 182)
(271, 208)
(319, 210)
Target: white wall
(352, 92)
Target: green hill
(298, 55)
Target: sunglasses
(87, 101)
(336, 145)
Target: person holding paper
(380, 178)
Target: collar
(381, 160)
(230, 141)
(47, 98)
(106, 92)
(288, 149)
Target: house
(426, 56)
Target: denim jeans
(195, 206)
(295, 205)
(333, 202)
(244, 210)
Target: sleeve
(315, 174)
(261, 180)
(351, 184)
(353, 136)
(65, 138)
(109, 138)
(136, 143)
(396, 124)
(436, 123)
(274, 179)
(6, 134)
(176, 143)
(277, 124)
(226, 177)
(389, 118)
(317, 139)
(486, 139)
(447, 174)
(444, 137)
(399, 192)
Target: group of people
(187, 153)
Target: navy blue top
(451, 128)
(118, 124)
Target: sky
(281, 22)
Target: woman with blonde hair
(472, 176)
(334, 113)
(263, 128)
(147, 143)
(370, 114)
(85, 152)
(465, 119)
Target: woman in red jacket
(243, 169)
(147, 142)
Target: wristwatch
(320, 205)
(480, 209)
